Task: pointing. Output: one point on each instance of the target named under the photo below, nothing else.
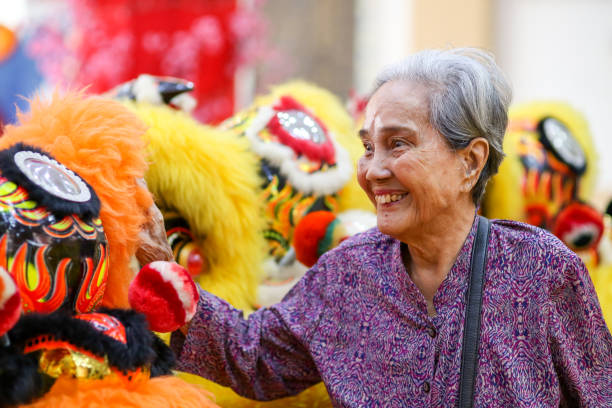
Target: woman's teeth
(388, 198)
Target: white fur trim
(184, 102)
(268, 295)
(590, 229)
(9, 287)
(169, 274)
(321, 183)
(145, 89)
(270, 269)
(605, 248)
(274, 272)
(279, 280)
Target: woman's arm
(580, 342)
(263, 357)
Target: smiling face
(408, 169)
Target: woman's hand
(153, 245)
(165, 293)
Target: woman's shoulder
(532, 245)
(518, 234)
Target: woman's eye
(367, 147)
(398, 143)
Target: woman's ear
(474, 157)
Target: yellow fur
(601, 271)
(210, 178)
(502, 199)
(601, 276)
(313, 397)
(334, 115)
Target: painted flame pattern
(39, 292)
(15, 199)
(42, 290)
(71, 225)
(93, 284)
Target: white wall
(562, 49)
(383, 30)
(12, 13)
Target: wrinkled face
(408, 170)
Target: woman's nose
(378, 169)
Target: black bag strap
(471, 327)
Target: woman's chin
(391, 227)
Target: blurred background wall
(550, 49)
(562, 49)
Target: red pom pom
(166, 294)
(579, 226)
(10, 302)
(309, 233)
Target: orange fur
(159, 392)
(101, 141)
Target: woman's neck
(433, 249)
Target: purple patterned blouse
(359, 324)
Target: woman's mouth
(388, 198)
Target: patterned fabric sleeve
(580, 342)
(263, 357)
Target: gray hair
(468, 98)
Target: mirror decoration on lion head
(51, 239)
(303, 168)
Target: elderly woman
(381, 319)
